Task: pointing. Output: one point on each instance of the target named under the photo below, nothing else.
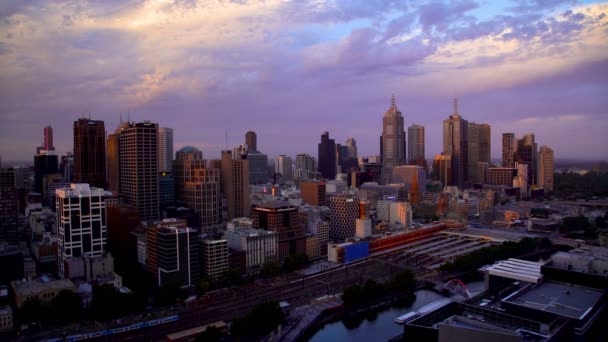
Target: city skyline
(534, 78)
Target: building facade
(343, 217)
(214, 258)
(313, 193)
(545, 168)
(81, 222)
(89, 152)
(456, 145)
(415, 145)
(508, 150)
(282, 218)
(235, 185)
(251, 140)
(260, 246)
(392, 141)
(139, 168)
(9, 211)
(165, 149)
(327, 157)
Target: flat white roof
(517, 269)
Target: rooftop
(517, 269)
(572, 301)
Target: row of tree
(508, 249)
(371, 292)
(574, 186)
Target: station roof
(517, 269)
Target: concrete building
(45, 163)
(260, 246)
(392, 141)
(173, 252)
(363, 228)
(235, 185)
(479, 150)
(113, 150)
(456, 145)
(545, 168)
(166, 190)
(139, 168)
(48, 139)
(89, 152)
(258, 167)
(165, 149)
(282, 166)
(344, 214)
(9, 211)
(187, 160)
(44, 288)
(81, 222)
(508, 150)
(282, 218)
(313, 193)
(501, 176)
(6, 318)
(214, 258)
(305, 167)
(327, 157)
(122, 220)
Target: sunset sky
(292, 69)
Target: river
(379, 326)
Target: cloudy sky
(292, 69)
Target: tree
(109, 303)
(32, 311)
(168, 294)
(211, 334)
(600, 222)
(270, 269)
(259, 322)
(67, 306)
(404, 281)
(295, 261)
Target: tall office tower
(81, 222)
(392, 148)
(473, 155)
(521, 180)
(526, 154)
(258, 167)
(415, 147)
(48, 139)
(282, 217)
(202, 193)
(166, 190)
(89, 152)
(9, 212)
(139, 168)
(114, 162)
(351, 148)
(122, 220)
(485, 144)
(282, 166)
(45, 163)
(187, 160)
(327, 157)
(314, 193)
(442, 169)
(508, 150)
(251, 140)
(456, 145)
(214, 258)
(173, 252)
(545, 168)
(235, 185)
(165, 149)
(343, 218)
(501, 176)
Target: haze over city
(290, 70)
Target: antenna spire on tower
(456, 106)
(393, 105)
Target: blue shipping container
(356, 251)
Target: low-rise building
(260, 246)
(215, 259)
(6, 318)
(43, 288)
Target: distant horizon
(290, 71)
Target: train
(114, 331)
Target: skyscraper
(442, 169)
(415, 146)
(139, 168)
(305, 166)
(456, 145)
(392, 147)
(351, 148)
(235, 185)
(48, 139)
(8, 206)
(89, 152)
(344, 214)
(545, 168)
(251, 140)
(508, 150)
(165, 149)
(525, 153)
(45, 163)
(114, 162)
(198, 185)
(327, 157)
(479, 150)
(81, 222)
(485, 143)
